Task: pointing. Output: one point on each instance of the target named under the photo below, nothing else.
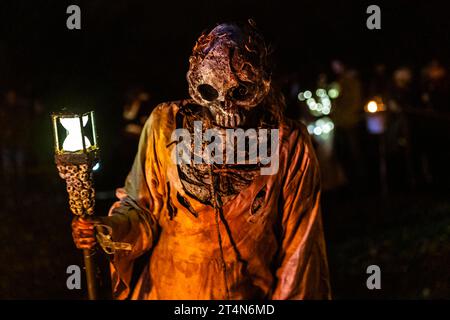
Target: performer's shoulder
(297, 143)
(166, 110)
(294, 131)
(164, 114)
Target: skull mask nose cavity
(227, 104)
(208, 92)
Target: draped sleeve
(136, 213)
(302, 268)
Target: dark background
(128, 43)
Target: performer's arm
(134, 217)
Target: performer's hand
(83, 231)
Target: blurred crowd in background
(382, 128)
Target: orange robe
(281, 247)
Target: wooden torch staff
(79, 181)
(91, 277)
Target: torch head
(76, 154)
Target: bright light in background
(311, 103)
(320, 127)
(96, 167)
(320, 122)
(372, 106)
(328, 127)
(334, 90)
(73, 141)
(376, 118)
(307, 94)
(319, 104)
(317, 131)
(333, 93)
(321, 93)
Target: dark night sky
(125, 42)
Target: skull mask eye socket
(208, 92)
(240, 93)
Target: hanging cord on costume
(217, 207)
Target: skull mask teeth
(227, 73)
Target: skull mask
(228, 73)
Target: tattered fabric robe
(281, 246)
